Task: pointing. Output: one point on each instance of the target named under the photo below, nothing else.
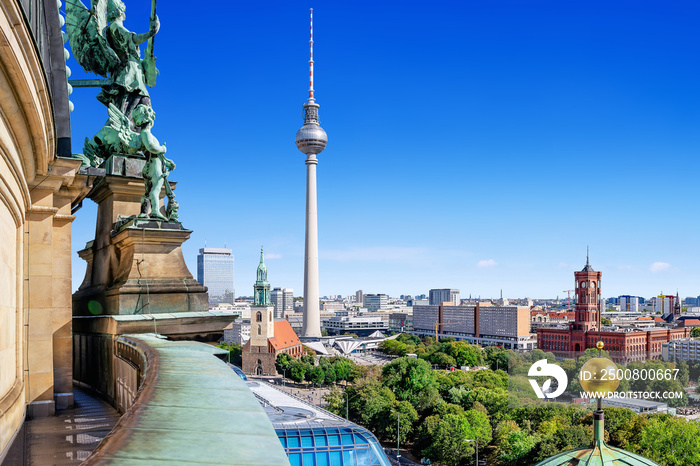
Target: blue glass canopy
(332, 446)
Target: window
(259, 330)
(258, 316)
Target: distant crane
(568, 292)
(440, 325)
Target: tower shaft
(312, 318)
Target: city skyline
(561, 127)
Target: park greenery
(440, 413)
(328, 371)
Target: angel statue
(112, 51)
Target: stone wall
(37, 189)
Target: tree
(450, 443)
(408, 377)
(605, 321)
(234, 352)
(394, 347)
(335, 401)
(403, 414)
(317, 376)
(308, 359)
(695, 332)
(330, 375)
(283, 362)
(297, 371)
(671, 441)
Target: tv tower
(311, 140)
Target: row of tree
(328, 371)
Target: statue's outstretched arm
(141, 38)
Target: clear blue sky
(473, 145)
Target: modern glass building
(215, 271)
(312, 436)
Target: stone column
(39, 296)
(62, 301)
(312, 318)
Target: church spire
(261, 295)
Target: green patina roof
(598, 454)
(199, 412)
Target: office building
(375, 302)
(361, 326)
(628, 303)
(686, 348)
(505, 326)
(282, 300)
(215, 271)
(359, 297)
(444, 295)
(401, 322)
(237, 332)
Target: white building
(241, 309)
(282, 300)
(375, 302)
(686, 348)
(238, 332)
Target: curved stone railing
(183, 405)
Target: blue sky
(472, 145)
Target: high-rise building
(359, 297)
(215, 271)
(283, 301)
(628, 303)
(375, 302)
(311, 139)
(444, 295)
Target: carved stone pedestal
(134, 266)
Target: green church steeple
(261, 289)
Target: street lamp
(398, 435)
(476, 448)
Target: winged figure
(122, 136)
(102, 45)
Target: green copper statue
(102, 45)
(112, 51)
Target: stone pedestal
(134, 266)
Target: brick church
(624, 343)
(268, 337)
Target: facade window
(258, 317)
(259, 331)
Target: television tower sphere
(311, 139)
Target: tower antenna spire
(587, 256)
(311, 56)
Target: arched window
(270, 316)
(259, 330)
(258, 317)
